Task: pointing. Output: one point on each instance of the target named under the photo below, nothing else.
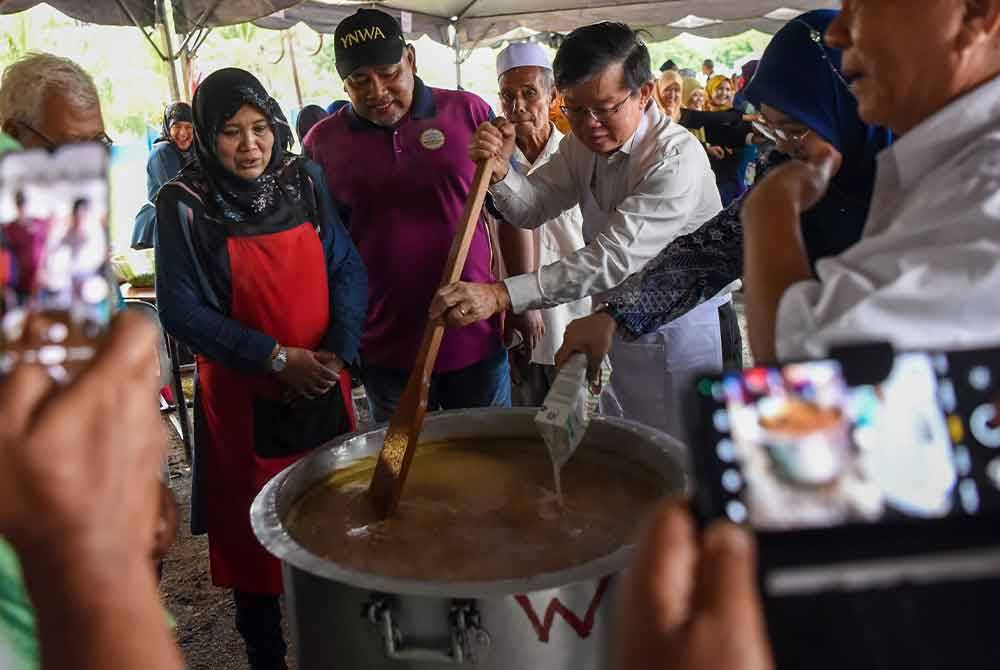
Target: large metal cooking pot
(349, 620)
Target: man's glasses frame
(49, 144)
(599, 115)
(774, 134)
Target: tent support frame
(193, 41)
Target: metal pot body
(347, 620)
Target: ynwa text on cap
(361, 35)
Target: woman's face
(723, 94)
(182, 134)
(671, 96)
(794, 138)
(245, 143)
(697, 100)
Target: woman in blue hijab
(812, 97)
(806, 106)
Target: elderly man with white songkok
(527, 88)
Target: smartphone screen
(797, 448)
(56, 293)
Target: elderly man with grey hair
(527, 87)
(47, 101)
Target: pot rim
(272, 535)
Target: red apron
(279, 287)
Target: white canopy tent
(468, 24)
(193, 18)
(187, 14)
(461, 24)
(474, 21)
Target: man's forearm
(518, 249)
(530, 202)
(98, 613)
(774, 259)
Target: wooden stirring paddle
(404, 426)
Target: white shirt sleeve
(931, 291)
(529, 202)
(646, 221)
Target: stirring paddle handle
(404, 427)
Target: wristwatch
(280, 360)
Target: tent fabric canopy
(188, 14)
(477, 21)
(324, 17)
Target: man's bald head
(47, 101)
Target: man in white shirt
(527, 87)
(926, 273)
(640, 181)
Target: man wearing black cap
(396, 161)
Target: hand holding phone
(827, 469)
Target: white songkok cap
(522, 54)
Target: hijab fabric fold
(273, 196)
(309, 116)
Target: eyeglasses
(599, 115)
(779, 134)
(49, 144)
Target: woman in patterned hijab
(255, 273)
(268, 197)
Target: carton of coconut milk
(563, 419)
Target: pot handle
(470, 642)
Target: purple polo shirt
(403, 191)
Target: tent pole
(168, 50)
(187, 73)
(295, 68)
(458, 60)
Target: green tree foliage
(679, 52)
(688, 51)
(326, 59)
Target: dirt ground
(203, 612)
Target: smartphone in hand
(56, 293)
(875, 478)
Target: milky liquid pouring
(479, 511)
(564, 417)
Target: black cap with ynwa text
(367, 38)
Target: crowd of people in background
(870, 215)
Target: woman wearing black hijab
(308, 117)
(255, 274)
(171, 152)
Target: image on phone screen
(798, 448)
(54, 257)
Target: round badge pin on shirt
(432, 139)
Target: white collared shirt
(658, 186)
(926, 273)
(558, 237)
